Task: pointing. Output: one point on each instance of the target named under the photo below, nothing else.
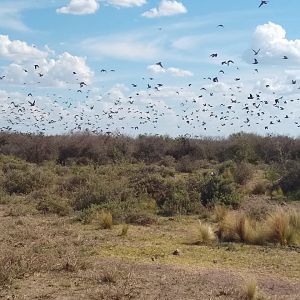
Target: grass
(104, 220)
(250, 290)
(60, 245)
(202, 234)
(124, 230)
(161, 240)
(283, 227)
(280, 227)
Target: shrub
(242, 173)
(185, 165)
(54, 205)
(290, 183)
(25, 181)
(260, 188)
(98, 216)
(178, 201)
(216, 190)
(100, 190)
(141, 218)
(277, 194)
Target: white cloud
(55, 71)
(187, 42)
(166, 8)
(176, 72)
(80, 7)
(17, 50)
(271, 39)
(127, 3)
(155, 69)
(179, 73)
(122, 47)
(61, 70)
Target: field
(175, 227)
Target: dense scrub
(186, 152)
(106, 180)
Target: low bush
(98, 216)
(290, 182)
(54, 205)
(218, 190)
(25, 181)
(242, 173)
(259, 188)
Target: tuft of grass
(282, 227)
(124, 230)
(109, 277)
(203, 234)
(250, 290)
(105, 220)
(220, 212)
(237, 227)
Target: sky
(146, 66)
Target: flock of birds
(144, 110)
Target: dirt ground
(51, 257)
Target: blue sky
(130, 37)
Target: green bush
(25, 181)
(54, 205)
(290, 183)
(217, 190)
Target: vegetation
(211, 200)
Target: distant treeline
(103, 149)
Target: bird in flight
(160, 64)
(32, 103)
(256, 52)
(263, 2)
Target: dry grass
(237, 227)
(124, 230)
(104, 220)
(282, 227)
(202, 234)
(220, 212)
(250, 290)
